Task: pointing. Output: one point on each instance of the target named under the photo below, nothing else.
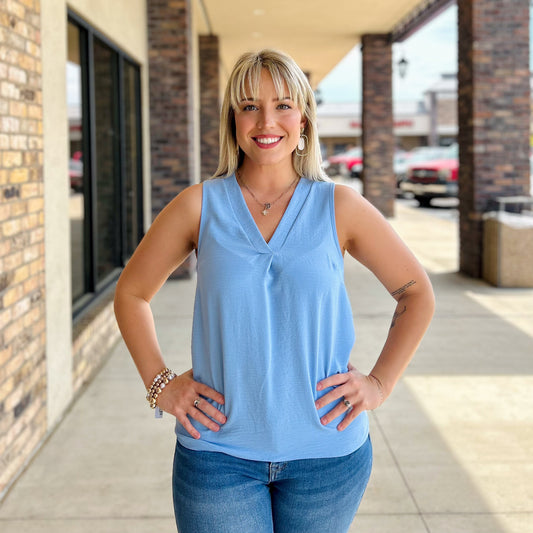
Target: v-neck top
(270, 321)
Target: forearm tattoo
(403, 288)
(397, 315)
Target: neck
(267, 178)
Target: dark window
(106, 134)
(132, 156)
(105, 160)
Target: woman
(272, 430)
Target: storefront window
(107, 240)
(105, 160)
(132, 159)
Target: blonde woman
(271, 422)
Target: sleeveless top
(270, 321)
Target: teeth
(268, 140)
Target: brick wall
(94, 335)
(494, 111)
(22, 310)
(379, 184)
(171, 103)
(209, 104)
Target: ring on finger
(347, 404)
(196, 403)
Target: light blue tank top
(270, 321)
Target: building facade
(103, 109)
(429, 122)
(100, 127)
(75, 199)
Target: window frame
(94, 288)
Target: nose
(265, 118)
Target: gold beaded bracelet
(158, 384)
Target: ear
(303, 123)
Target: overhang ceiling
(316, 33)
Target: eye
(249, 107)
(284, 107)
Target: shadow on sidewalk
(453, 442)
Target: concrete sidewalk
(453, 444)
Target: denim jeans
(217, 493)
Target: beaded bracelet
(158, 384)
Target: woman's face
(268, 128)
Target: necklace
(265, 205)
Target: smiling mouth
(266, 141)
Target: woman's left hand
(360, 391)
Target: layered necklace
(265, 205)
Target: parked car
(337, 164)
(75, 171)
(432, 173)
(401, 164)
(352, 166)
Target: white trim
(56, 209)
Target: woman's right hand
(178, 398)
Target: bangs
(248, 78)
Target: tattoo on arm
(403, 288)
(397, 315)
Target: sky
(430, 52)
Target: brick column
(209, 104)
(172, 124)
(379, 185)
(171, 99)
(494, 110)
(23, 420)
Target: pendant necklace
(265, 205)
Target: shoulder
(357, 220)
(189, 200)
(188, 203)
(349, 202)
(183, 213)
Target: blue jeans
(217, 493)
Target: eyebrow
(251, 99)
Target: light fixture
(402, 67)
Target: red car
(346, 163)
(432, 173)
(352, 166)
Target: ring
(347, 404)
(196, 402)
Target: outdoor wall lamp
(402, 67)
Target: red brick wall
(494, 111)
(209, 104)
(171, 103)
(22, 285)
(378, 134)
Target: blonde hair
(246, 77)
